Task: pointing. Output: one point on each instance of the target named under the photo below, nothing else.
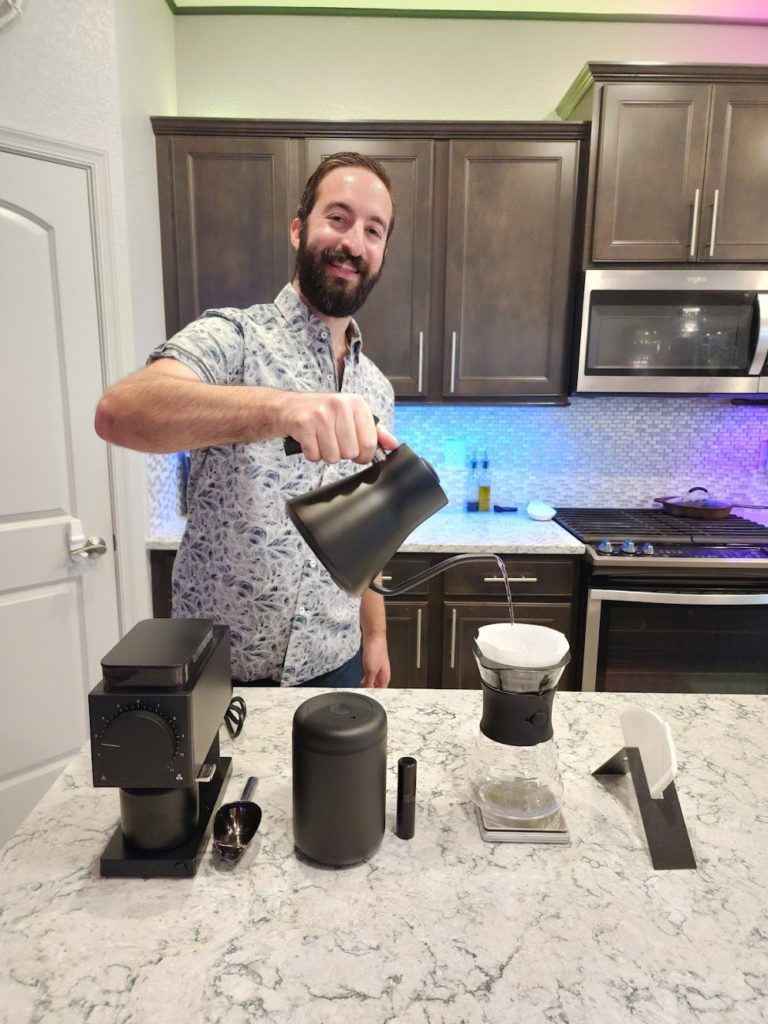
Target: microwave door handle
(761, 349)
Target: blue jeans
(348, 675)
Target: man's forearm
(168, 414)
(166, 408)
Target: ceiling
(754, 12)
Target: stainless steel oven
(667, 637)
(672, 605)
(693, 331)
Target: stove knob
(628, 547)
(604, 547)
(646, 549)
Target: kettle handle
(292, 447)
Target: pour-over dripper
(515, 778)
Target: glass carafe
(515, 777)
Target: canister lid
(339, 723)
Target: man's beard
(329, 295)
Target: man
(230, 387)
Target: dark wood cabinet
(543, 593)
(736, 181)
(225, 208)
(462, 619)
(509, 267)
(679, 162)
(475, 301)
(408, 643)
(395, 318)
(431, 628)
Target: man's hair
(330, 163)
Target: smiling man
(229, 387)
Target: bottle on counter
(470, 502)
(484, 487)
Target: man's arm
(373, 623)
(165, 407)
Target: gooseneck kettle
(355, 525)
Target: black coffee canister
(339, 777)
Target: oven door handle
(673, 597)
(596, 596)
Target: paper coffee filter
(522, 645)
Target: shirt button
(303, 610)
(312, 563)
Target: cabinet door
(735, 224)
(461, 621)
(650, 172)
(395, 317)
(509, 269)
(407, 642)
(232, 203)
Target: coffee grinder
(155, 719)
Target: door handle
(453, 638)
(694, 223)
(418, 638)
(714, 222)
(80, 547)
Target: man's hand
(332, 427)
(376, 670)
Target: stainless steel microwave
(692, 331)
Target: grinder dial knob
(135, 749)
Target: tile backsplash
(603, 451)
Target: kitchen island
(441, 929)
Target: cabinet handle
(695, 223)
(386, 579)
(418, 638)
(714, 223)
(421, 361)
(453, 638)
(512, 579)
(453, 361)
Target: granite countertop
(443, 929)
(450, 531)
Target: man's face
(341, 245)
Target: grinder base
(120, 860)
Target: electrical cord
(234, 717)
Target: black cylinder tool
(406, 798)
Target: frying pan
(697, 504)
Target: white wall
(89, 73)
(389, 68)
(147, 85)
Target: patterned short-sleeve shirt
(241, 562)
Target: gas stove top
(631, 536)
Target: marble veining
(443, 929)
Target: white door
(58, 617)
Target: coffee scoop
(236, 824)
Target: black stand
(665, 831)
(120, 860)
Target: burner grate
(591, 525)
